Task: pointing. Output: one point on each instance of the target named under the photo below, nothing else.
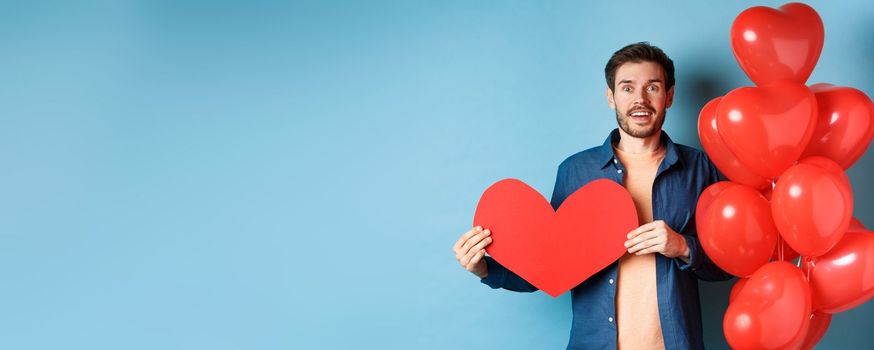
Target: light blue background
(275, 175)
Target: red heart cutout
(767, 128)
(844, 125)
(556, 250)
(772, 45)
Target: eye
(626, 88)
(652, 88)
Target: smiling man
(649, 298)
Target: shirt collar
(607, 155)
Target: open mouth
(640, 114)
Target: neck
(631, 144)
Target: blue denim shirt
(681, 177)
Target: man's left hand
(657, 237)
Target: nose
(640, 97)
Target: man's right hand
(470, 249)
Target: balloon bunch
(785, 146)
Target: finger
(466, 236)
(644, 247)
(656, 239)
(475, 250)
(644, 244)
(476, 259)
(643, 228)
(461, 240)
(465, 246)
(658, 248)
(474, 240)
(643, 236)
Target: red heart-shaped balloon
(819, 321)
(812, 205)
(556, 250)
(735, 227)
(842, 278)
(721, 156)
(771, 311)
(777, 44)
(767, 128)
(844, 124)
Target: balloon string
(807, 263)
(779, 238)
(780, 247)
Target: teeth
(639, 114)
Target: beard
(644, 132)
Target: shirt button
(610, 319)
(611, 281)
(619, 171)
(615, 161)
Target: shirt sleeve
(501, 277)
(699, 264)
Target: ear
(670, 98)
(610, 101)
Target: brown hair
(636, 53)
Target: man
(649, 298)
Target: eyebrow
(648, 81)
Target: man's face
(639, 98)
